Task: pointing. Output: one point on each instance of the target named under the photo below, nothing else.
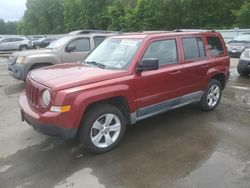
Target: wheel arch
(118, 101)
(221, 78)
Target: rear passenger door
(154, 87)
(195, 63)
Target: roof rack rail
(88, 31)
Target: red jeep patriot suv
(126, 79)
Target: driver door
(80, 48)
(158, 86)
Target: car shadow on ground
(161, 148)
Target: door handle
(175, 72)
(204, 66)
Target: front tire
(102, 128)
(242, 73)
(22, 48)
(212, 95)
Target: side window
(165, 51)
(98, 40)
(15, 39)
(215, 46)
(6, 40)
(193, 48)
(80, 45)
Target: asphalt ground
(183, 148)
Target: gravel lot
(181, 148)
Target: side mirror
(70, 48)
(148, 64)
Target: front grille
(12, 60)
(32, 93)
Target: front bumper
(244, 66)
(44, 122)
(17, 71)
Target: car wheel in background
(242, 73)
(22, 48)
(37, 46)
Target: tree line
(8, 27)
(62, 16)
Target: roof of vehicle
(80, 32)
(152, 34)
(89, 35)
(14, 38)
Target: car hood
(65, 76)
(34, 52)
(237, 43)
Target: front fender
(80, 101)
(42, 58)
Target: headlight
(46, 97)
(19, 59)
(246, 54)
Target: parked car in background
(14, 43)
(42, 42)
(81, 32)
(244, 63)
(238, 44)
(64, 50)
(127, 78)
(35, 37)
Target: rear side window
(215, 46)
(98, 40)
(193, 48)
(165, 51)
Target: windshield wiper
(96, 64)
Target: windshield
(59, 43)
(114, 53)
(243, 37)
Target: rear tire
(102, 128)
(37, 46)
(212, 95)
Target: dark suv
(127, 78)
(238, 44)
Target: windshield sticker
(126, 42)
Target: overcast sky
(12, 10)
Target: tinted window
(81, 45)
(193, 48)
(215, 46)
(5, 40)
(16, 39)
(98, 40)
(165, 51)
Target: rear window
(193, 48)
(215, 46)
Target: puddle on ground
(222, 169)
(82, 178)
